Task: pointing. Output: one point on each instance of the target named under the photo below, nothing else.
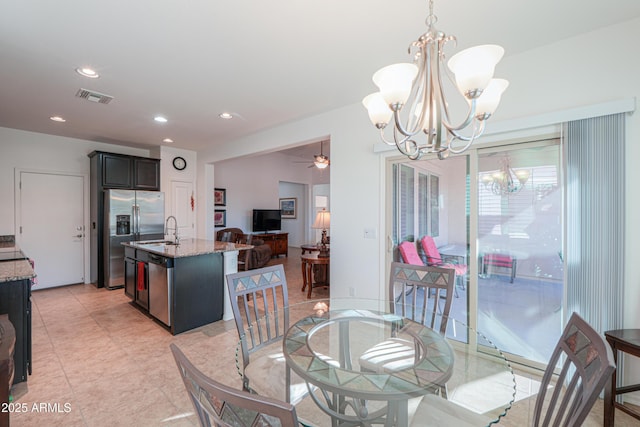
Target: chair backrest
(587, 366)
(220, 405)
(229, 235)
(431, 250)
(409, 253)
(260, 303)
(416, 291)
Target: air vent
(94, 96)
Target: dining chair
(409, 255)
(220, 405)
(415, 292)
(433, 257)
(585, 362)
(260, 303)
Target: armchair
(256, 257)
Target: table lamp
(323, 219)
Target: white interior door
(51, 226)
(183, 200)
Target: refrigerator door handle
(137, 222)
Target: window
(417, 203)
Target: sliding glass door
(520, 265)
(498, 211)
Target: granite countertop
(188, 247)
(11, 271)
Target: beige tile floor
(98, 361)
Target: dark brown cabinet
(136, 276)
(119, 171)
(146, 174)
(15, 300)
(116, 171)
(279, 242)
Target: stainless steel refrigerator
(129, 216)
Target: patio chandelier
(506, 181)
(413, 94)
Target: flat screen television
(266, 220)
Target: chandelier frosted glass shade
(412, 98)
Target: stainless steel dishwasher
(160, 287)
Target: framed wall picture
(220, 196)
(288, 208)
(219, 218)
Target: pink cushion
(499, 260)
(460, 269)
(431, 250)
(409, 253)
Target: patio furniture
(499, 260)
(409, 255)
(434, 258)
(218, 404)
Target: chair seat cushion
(390, 355)
(267, 376)
(460, 269)
(443, 413)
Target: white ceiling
(270, 62)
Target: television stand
(278, 242)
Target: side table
(626, 341)
(308, 261)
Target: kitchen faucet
(175, 229)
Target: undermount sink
(157, 242)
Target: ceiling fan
(319, 160)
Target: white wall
(36, 151)
(254, 183)
(296, 227)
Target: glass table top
(325, 343)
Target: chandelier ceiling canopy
(412, 95)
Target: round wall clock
(179, 163)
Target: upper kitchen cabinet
(125, 172)
(146, 174)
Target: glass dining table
(362, 364)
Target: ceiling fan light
(395, 82)
(474, 67)
(321, 165)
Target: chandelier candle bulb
(414, 95)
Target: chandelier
(415, 90)
(506, 181)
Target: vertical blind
(594, 151)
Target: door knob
(79, 235)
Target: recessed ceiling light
(225, 116)
(160, 119)
(57, 119)
(87, 72)
(168, 141)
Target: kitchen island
(16, 275)
(182, 286)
